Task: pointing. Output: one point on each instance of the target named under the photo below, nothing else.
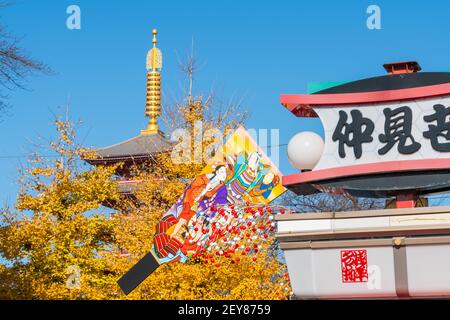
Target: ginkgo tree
(57, 230)
(61, 242)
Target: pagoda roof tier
(141, 147)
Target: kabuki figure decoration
(210, 209)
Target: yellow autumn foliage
(61, 242)
(57, 224)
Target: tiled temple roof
(142, 146)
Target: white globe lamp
(304, 150)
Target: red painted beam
(315, 176)
(302, 104)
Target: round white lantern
(304, 150)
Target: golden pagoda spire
(153, 102)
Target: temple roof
(394, 87)
(142, 146)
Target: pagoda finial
(154, 32)
(153, 104)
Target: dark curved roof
(142, 146)
(390, 82)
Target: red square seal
(354, 266)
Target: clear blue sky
(254, 49)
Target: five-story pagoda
(142, 149)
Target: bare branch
(15, 65)
(209, 108)
(327, 202)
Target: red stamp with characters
(354, 266)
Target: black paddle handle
(138, 273)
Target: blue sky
(255, 50)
